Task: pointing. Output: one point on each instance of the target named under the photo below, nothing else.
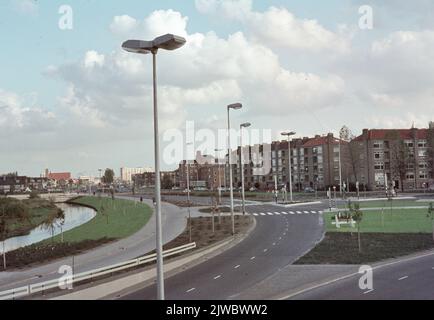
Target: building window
(422, 144)
(378, 145)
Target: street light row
(173, 42)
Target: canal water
(74, 216)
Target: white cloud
(17, 116)
(278, 27)
(111, 89)
(26, 6)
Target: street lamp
(188, 195)
(219, 176)
(289, 135)
(235, 106)
(244, 125)
(166, 42)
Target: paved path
(174, 223)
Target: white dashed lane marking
(218, 277)
(236, 267)
(403, 278)
(369, 291)
(190, 290)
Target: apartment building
(127, 173)
(315, 163)
(396, 158)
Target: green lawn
(120, 219)
(395, 221)
(394, 203)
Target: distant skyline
(71, 100)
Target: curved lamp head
(288, 134)
(235, 106)
(166, 42)
(245, 125)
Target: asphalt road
(409, 279)
(282, 235)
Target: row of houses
(15, 183)
(375, 160)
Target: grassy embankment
(114, 220)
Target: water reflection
(74, 217)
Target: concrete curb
(121, 287)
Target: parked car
(309, 190)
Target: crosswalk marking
(285, 213)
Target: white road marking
(306, 212)
(291, 212)
(274, 243)
(314, 212)
(190, 290)
(269, 213)
(263, 214)
(255, 214)
(265, 250)
(236, 267)
(369, 291)
(218, 277)
(285, 213)
(403, 278)
(252, 258)
(299, 212)
(280, 238)
(277, 213)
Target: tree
(431, 215)
(400, 161)
(108, 177)
(55, 219)
(11, 211)
(431, 145)
(357, 216)
(167, 182)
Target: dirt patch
(342, 248)
(37, 254)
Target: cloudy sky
(71, 100)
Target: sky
(72, 100)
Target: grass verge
(391, 221)
(115, 219)
(342, 248)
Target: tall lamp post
(289, 135)
(219, 177)
(235, 106)
(243, 196)
(166, 42)
(187, 164)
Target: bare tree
(400, 161)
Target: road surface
(281, 236)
